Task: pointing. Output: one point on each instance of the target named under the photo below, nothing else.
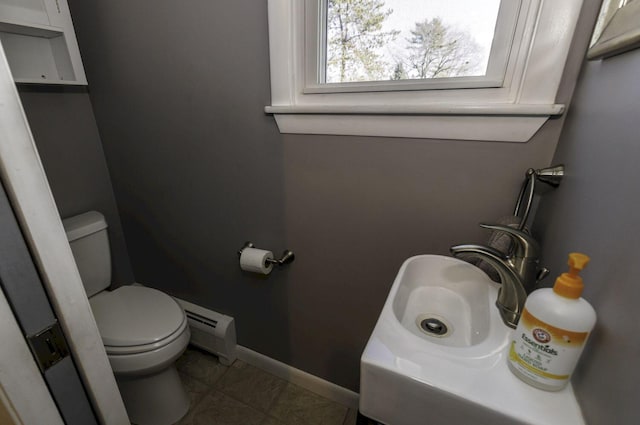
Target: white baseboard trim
(298, 377)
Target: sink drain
(433, 325)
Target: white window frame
(512, 112)
(315, 47)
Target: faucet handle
(526, 246)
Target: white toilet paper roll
(255, 260)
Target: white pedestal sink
(438, 355)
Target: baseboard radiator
(211, 331)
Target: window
(407, 44)
(418, 68)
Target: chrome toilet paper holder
(286, 258)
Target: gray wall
(595, 211)
(198, 169)
(66, 135)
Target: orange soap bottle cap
(570, 284)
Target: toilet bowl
(143, 330)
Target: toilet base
(158, 399)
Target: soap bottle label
(544, 353)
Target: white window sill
(504, 123)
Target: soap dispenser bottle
(552, 331)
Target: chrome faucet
(519, 270)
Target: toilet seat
(134, 319)
(134, 349)
(149, 362)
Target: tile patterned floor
(244, 395)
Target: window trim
(516, 110)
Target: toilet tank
(87, 235)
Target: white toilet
(143, 330)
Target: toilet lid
(135, 315)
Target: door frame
(23, 390)
(25, 182)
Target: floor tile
(297, 406)
(200, 365)
(187, 420)
(245, 395)
(195, 389)
(251, 385)
(219, 409)
(352, 417)
(271, 421)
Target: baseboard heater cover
(211, 331)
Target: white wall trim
(486, 128)
(26, 185)
(298, 377)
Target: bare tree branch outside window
(437, 51)
(355, 36)
(361, 48)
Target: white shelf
(40, 43)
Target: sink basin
(438, 352)
(448, 291)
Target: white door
(23, 289)
(33, 208)
(24, 396)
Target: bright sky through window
(381, 40)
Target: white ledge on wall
(440, 109)
(508, 123)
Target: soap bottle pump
(552, 331)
